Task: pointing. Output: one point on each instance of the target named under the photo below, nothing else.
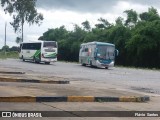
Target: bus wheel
(91, 64)
(34, 59)
(23, 58)
(47, 63)
(106, 67)
(83, 64)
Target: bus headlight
(111, 64)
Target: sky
(68, 12)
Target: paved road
(147, 81)
(84, 81)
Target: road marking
(5, 79)
(73, 99)
(80, 99)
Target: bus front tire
(106, 67)
(83, 64)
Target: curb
(2, 79)
(12, 72)
(74, 99)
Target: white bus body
(99, 54)
(41, 51)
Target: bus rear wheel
(23, 58)
(83, 64)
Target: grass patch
(12, 54)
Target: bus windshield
(50, 44)
(105, 52)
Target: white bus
(41, 51)
(99, 54)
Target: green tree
(103, 23)
(143, 47)
(119, 35)
(151, 15)
(86, 25)
(119, 21)
(92, 36)
(18, 40)
(97, 34)
(75, 38)
(14, 48)
(22, 10)
(132, 18)
(5, 48)
(54, 34)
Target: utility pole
(5, 38)
(5, 33)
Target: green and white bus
(40, 51)
(99, 54)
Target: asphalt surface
(85, 81)
(147, 81)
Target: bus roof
(39, 41)
(98, 43)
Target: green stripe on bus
(51, 55)
(36, 54)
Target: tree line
(9, 49)
(137, 38)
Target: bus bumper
(48, 60)
(102, 65)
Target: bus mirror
(116, 52)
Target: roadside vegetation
(137, 38)
(10, 52)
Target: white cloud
(68, 18)
(54, 19)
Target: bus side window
(86, 50)
(24, 46)
(83, 49)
